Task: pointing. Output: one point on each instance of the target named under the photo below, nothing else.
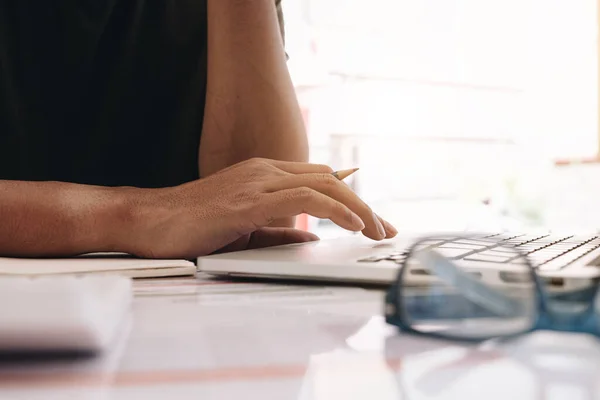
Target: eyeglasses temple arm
(469, 286)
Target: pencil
(343, 174)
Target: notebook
(96, 263)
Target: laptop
(564, 261)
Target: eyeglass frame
(586, 321)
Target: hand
(231, 210)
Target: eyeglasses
(439, 294)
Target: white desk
(203, 339)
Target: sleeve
(281, 22)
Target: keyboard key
(577, 254)
(476, 242)
(580, 239)
(553, 265)
(542, 256)
(463, 245)
(508, 236)
(431, 243)
(552, 250)
(563, 245)
(547, 240)
(529, 248)
(489, 258)
(501, 250)
(453, 252)
(564, 260)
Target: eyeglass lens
(451, 287)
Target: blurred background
(461, 114)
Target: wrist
(137, 219)
(105, 219)
(96, 216)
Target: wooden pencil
(343, 174)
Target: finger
(300, 167)
(285, 203)
(390, 231)
(267, 237)
(337, 190)
(239, 244)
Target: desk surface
(210, 339)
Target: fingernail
(357, 222)
(380, 227)
(390, 227)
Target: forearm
(251, 106)
(59, 219)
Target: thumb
(267, 237)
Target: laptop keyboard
(546, 252)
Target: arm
(251, 110)
(55, 219)
(251, 106)
(231, 207)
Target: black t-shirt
(106, 92)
